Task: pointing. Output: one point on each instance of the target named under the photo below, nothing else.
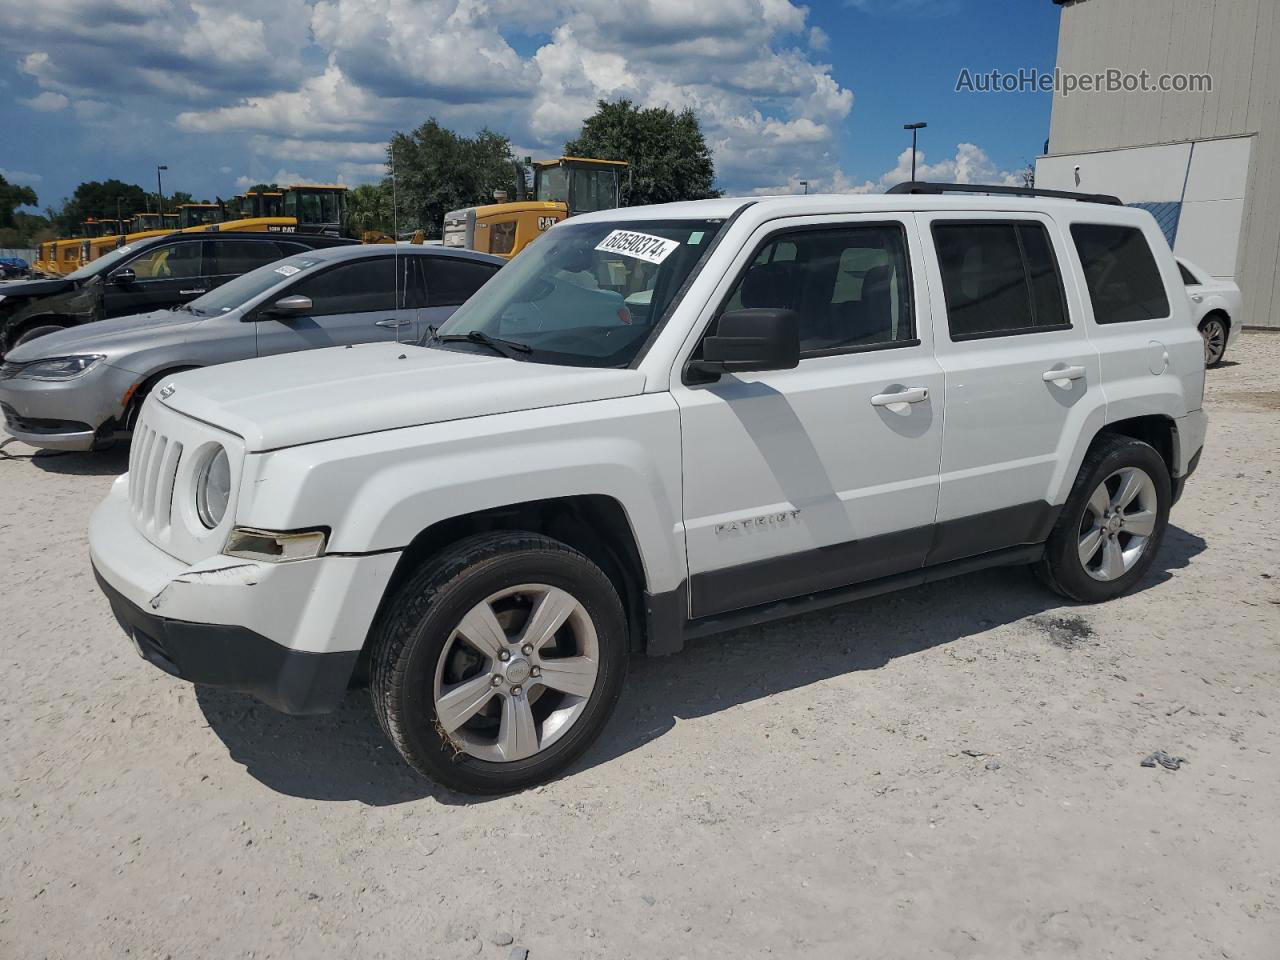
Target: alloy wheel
(517, 673)
(1118, 522)
(1214, 333)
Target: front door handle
(190, 293)
(1061, 376)
(909, 395)
(392, 322)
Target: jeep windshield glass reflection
(584, 294)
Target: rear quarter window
(1121, 273)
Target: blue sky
(233, 91)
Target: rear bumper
(235, 658)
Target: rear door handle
(1197, 298)
(188, 293)
(909, 395)
(1060, 375)
(392, 322)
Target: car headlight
(60, 368)
(273, 546)
(213, 489)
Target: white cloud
(326, 104)
(47, 102)
(818, 39)
(20, 176)
(971, 164)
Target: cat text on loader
(561, 189)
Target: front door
(165, 275)
(825, 475)
(352, 302)
(1022, 378)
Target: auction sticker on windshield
(642, 246)
(288, 270)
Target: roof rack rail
(920, 186)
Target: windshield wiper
(508, 348)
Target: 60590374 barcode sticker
(641, 246)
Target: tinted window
(1189, 278)
(169, 261)
(850, 286)
(999, 278)
(240, 256)
(1124, 282)
(452, 281)
(356, 287)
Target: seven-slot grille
(153, 465)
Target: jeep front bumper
(288, 634)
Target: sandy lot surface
(948, 772)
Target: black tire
(1061, 568)
(1213, 330)
(411, 635)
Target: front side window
(594, 190)
(850, 286)
(999, 279)
(244, 288)
(586, 294)
(360, 286)
(1121, 273)
(169, 261)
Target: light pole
(118, 223)
(160, 186)
(805, 184)
(914, 128)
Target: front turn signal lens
(271, 546)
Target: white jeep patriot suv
(654, 424)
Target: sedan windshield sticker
(287, 270)
(642, 246)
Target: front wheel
(497, 664)
(1112, 525)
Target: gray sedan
(79, 389)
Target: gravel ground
(952, 771)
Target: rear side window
(1188, 277)
(999, 279)
(235, 257)
(359, 286)
(850, 286)
(452, 280)
(1124, 282)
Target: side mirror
(294, 306)
(123, 277)
(760, 338)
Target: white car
(1215, 310)
(489, 524)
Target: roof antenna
(395, 240)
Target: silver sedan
(80, 389)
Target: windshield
(586, 294)
(247, 286)
(103, 263)
(553, 185)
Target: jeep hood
(316, 395)
(26, 289)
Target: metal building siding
(1238, 43)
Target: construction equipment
(561, 188)
(198, 214)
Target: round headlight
(213, 489)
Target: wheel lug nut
(515, 691)
(527, 649)
(536, 672)
(497, 681)
(504, 656)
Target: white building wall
(1227, 139)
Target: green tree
(667, 153)
(12, 196)
(436, 171)
(369, 208)
(98, 199)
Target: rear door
(165, 275)
(353, 301)
(808, 479)
(231, 258)
(449, 282)
(1023, 378)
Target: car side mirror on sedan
(122, 277)
(759, 338)
(295, 306)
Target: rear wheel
(497, 664)
(1113, 523)
(1214, 332)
